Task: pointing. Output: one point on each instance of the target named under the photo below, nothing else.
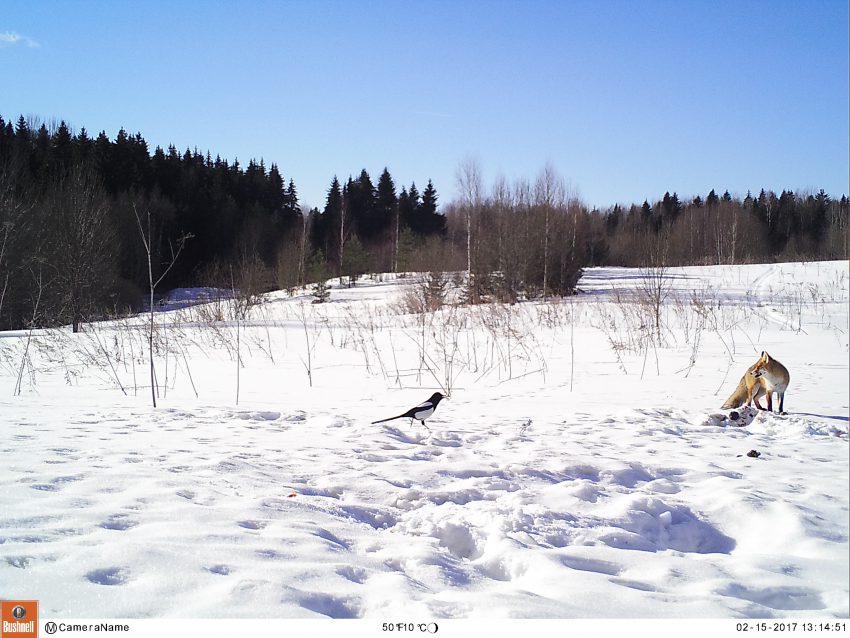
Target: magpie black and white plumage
(421, 412)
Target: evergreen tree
(333, 226)
(786, 219)
(433, 223)
(403, 209)
(292, 205)
(83, 147)
(817, 223)
(671, 208)
(40, 152)
(646, 214)
(355, 261)
(274, 189)
(360, 205)
(7, 137)
(22, 130)
(321, 291)
(613, 219)
(317, 272)
(317, 230)
(408, 207)
(386, 205)
(61, 149)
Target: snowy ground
(575, 471)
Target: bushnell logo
(19, 618)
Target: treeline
(74, 210)
(519, 241)
(724, 229)
(363, 228)
(532, 238)
(77, 213)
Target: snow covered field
(574, 472)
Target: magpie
(420, 412)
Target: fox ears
(765, 358)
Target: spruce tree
(671, 208)
(360, 205)
(275, 198)
(433, 223)
(355, 261)
(409, 207)
(83, 147)
(646, 214)
(293, 207)
(386, 204)
(334, 226)
(61, 148)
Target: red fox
(764, 377)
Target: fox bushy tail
(739, 396)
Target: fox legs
(755, 394)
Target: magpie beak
(421, 412)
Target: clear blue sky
(625, 99)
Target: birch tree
(468, 179)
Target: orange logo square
(19, 618)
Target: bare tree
(468, 178)
(22, 235)
(656, 284)
(396, 234)
(4, 272)
(524, 240)
(83, 241)
(146, 237)
(302, 252)
(521, 235)
(549, 193)
(344, 233)
(502, 207)
(36, 301)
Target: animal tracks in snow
(119, 522)
(108, 576)
(780, 598)
(240, 501)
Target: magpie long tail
(392, 418)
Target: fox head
(758, 369)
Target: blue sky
(626, 100)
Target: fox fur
(763, 378)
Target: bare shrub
(428, 295)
